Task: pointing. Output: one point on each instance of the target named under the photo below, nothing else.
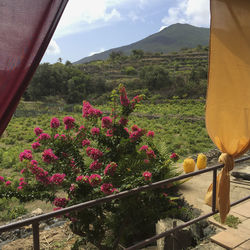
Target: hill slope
(170, 39)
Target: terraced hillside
(181, 68)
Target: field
(179, 127)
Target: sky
(92, 26)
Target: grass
(231, 220)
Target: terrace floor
(194, 191)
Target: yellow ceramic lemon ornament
(188, 165)
(201, 161)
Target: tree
(68, 63)
(137, 53)
(155, 77)
(77, 89)
(115, 55)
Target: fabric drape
(228, 96)
(26, 27)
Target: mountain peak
(170, 39)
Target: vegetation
(94, 158)
(173, 86)
(183, 74)
(231, 220)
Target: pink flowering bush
(95, 157)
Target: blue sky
(92, 26)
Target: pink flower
(85, 142)
(35, 145)
(174, 156)
(22, 183)
(54, 123)
(150, 133)
(26, 154)
(126, 129)
(106, 122)
(147, 175)
(21, 179)
(1, 179)
(150, 153)
(110, 169)
(82, 127)
(72, 188)
(57, 208)
(43, 137)
(95, 179)
(40, 173)
(7, 183)
(109, 133)
(49, 156)
(94, 153)
(38, 131)
(69, 122)
(63, 136)
(60, 202)
(56, 136)
(137, 134)
(89, 112)
(107, 188)
(123, 121)
(95, 165)
(34, 163)
(95, 131)
(135, 128)
(144, 148)
(123, 97)
(19, 188)
(82, 178)
(57, 178)
(23, 170)
(146, 161)
(136, 100)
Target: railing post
(214, 190)
(174, 234)
(35, 228)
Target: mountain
(172, 38)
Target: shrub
(130, 70)
(95, 158)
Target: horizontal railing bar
(108, 198)
(164, 234)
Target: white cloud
(80, 15)
(163, 27)
(53, 48)
(132, 15)
(195, 12)
(96, 52)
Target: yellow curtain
(228, 97)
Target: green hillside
(182, 74)
(172, 38)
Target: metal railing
(35, 220)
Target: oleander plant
(76, 161)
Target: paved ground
(236, 238)
(194, 192)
